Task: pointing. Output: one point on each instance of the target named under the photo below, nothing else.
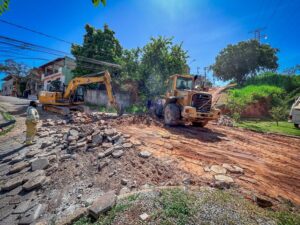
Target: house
(33, 84)
(10, 87)
(59, 69)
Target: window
(170, 85)
(184, 83)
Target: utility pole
(198, 68)
(205, 69)
(258, 34)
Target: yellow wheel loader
(184, 102)
(65, 100)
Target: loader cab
(179, 83)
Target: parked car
(295, 113)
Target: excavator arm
(55, 100)
(105, 79)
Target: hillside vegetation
(277, 92)
(251, 93)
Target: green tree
(97, 44)
(4, 6)
(10, 67)
(243, 60)
(278, 113)
(160, 59)
(5, 3)
(96, 2)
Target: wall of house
(8, 87)
(67, 74)
(99, 97)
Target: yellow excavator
(69, 99)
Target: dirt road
(270, 162)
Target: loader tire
(296, 125)
(200, 124)
(171, 114)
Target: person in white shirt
(32, 120)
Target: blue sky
(204, 26)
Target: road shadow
(202, 134)
(11, 152)
(19, 111)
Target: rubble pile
(225, 121)
(26, 174)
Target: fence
(99, 97)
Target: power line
(35, 31)
(33, 47)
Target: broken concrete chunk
(72, 138)
(117, 153)
(101, 155)
(127, 136)
(43, 134)
(124, 190)
(145, 154)
(18, 158)
(127, 145)
(144, 216)
(18, 167)
(24, 206)
(80, 144)
(12, 183)
(233, 168)
(32, 153)
(107, 152)
(73, 217)
(109, 132)
(218, 169)
(102, 204)
(223, 178)
(39, 164)
(107, 145)
(97, 139)
(33, 183)
(29, 176)
(73, 132)
(31, 215)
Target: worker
(182, 85)
(32, 120)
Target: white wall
(97, 97)
(7, 87)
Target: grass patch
(106, 109)
(286, 218)
(105, 219)
(7, 117)
(176, 205)
(270, 126)
(133, 109)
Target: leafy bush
(253, 93)
(278, 113)
(286, 82)
(135, 109)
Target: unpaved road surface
(271, 163)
